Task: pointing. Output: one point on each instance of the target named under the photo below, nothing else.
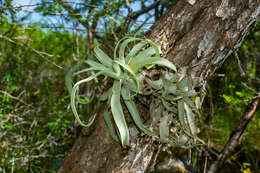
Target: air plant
(128, 71)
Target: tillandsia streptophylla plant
(129, 69)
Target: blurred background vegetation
(40, 42)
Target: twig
(234, 139)
(130, 10)
(133, 16)
(79, 3)
(13, 97)
(206, 160)
(41, 4)
(143, 23)
(41, 54)
(71, 11)
(205, 165)
(54, 13)
(153, 161)
(231, 44)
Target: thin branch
(234, 139)
(90, 34)
(133, 16)
(21, 6)
(55, 14)
(146, 9)
(70, 10)
(144, 23)
(130, 10)
(41, 54)
(205, 165)
(231, 44)
(41, 4)
(15, 98)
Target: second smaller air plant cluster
(173, 118)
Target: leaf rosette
(128, 70)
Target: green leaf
(110, 126)
(134, 51)
(126, 67)
(171, 89)
(118, 114)
(134, 112)
(123, 46)
(84, 70)
(154, 45)
(174, 78)
(183, 85)
(106, 95)
(191, 105)
(156, 84)
(190, 118)
(96, 65)
(181, 115)
(117, 45)
(131, 39)
(168, 106)
(190, 93)
(129, 70)
(156, 114)
(68, 78)
(102, 57)
(164, 128)
(72, 99)
(152, 60)
(227, 98)
(143, 55)
(131, 85)
(106, 71)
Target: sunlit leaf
(134, 51)
(190, 118)
(123, 46)
(106, 71)
(118, 114)
(149, 52)
(130, 71)
(102, 57)
(152, 60)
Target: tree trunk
(196, 36)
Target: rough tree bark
(198, 34)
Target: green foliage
(34, 121)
